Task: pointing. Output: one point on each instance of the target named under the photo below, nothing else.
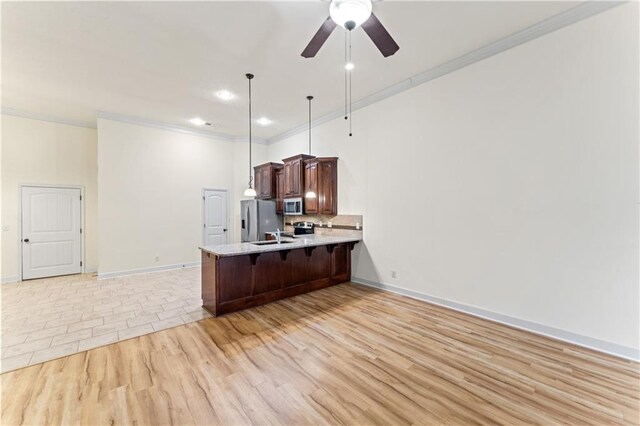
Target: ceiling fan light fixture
(350, 14)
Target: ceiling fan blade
(318, 40)
(380, 36)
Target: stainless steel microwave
(292, 206)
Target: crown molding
(162, 126)
(556, 22)
(245, 139)
(175, 128)
(48, 118)
(130, 120)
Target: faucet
(277, 235)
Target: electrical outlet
(157, 258)
(5, 228)
(394, 274)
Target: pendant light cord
(310, 193)
(249, 77)
(309, 98)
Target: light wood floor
(347, 354)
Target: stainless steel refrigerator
(258, 217)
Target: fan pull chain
(346, 61)
(350, 88)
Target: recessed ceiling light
(225, 95)
(263, 121)
(197, 121)
(349, 66)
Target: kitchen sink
(271, 242)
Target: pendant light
(250, 192)
(310, 193)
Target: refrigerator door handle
(248, 222)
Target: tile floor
(53, 317)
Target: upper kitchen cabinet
(280, 191)
(265, 180)
(321, 177)
(311, 184)
(294, 175)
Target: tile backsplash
(341, 225)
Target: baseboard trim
(7, 280)
(554, 333)
(106, 275)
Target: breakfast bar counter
(243, 275)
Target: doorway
(215, 217)
(51, 231)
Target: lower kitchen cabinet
(232, 283)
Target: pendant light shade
(250, 192)
(310, 193)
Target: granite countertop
(296, 243)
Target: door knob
(225, 230)
(26, 240)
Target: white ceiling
(163, 61)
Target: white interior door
(51, 232)
(215, 217)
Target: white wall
(41, 152)
(510, 185)
(150, 193)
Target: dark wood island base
(233, 283)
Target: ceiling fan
(351, 14)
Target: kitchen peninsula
(243, 275)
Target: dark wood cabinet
(280, 191)
(265, 180)
(311, 184)
(232, 283)
(321, 177)
(235, 269)
(341, 263)
(294, 175)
